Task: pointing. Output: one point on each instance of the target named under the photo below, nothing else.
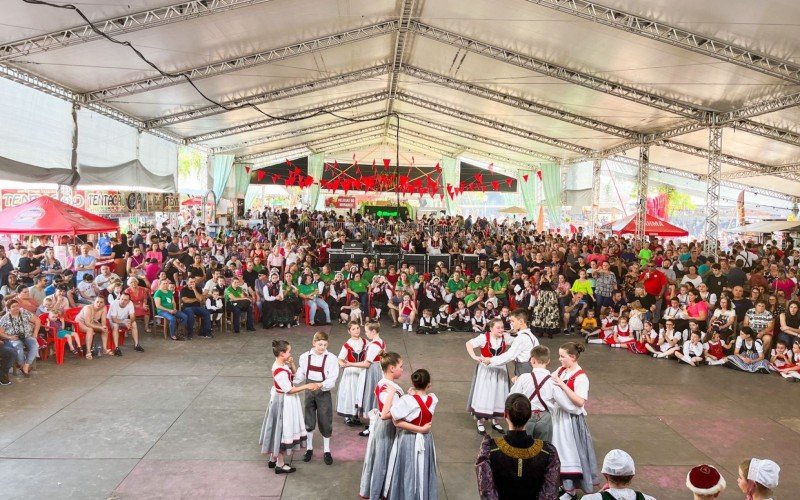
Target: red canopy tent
(193, 201)
(46, 216)
(652, 226)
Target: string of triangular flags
(385, 182)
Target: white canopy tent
(706, 89)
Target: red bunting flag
(495, 185)
(539, 174)
(525, 177)
(509, 181)
(346, 185)
(336, 165)
(289, 163)
(451, 191)
(247, 168)
(386, 162)
(441, 196)
(478, 178)
(334, 184)
(438, 168)
(276, 178)
(260, 175)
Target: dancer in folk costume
(372, 374)
(381, 428)
(648, 340)
(570, 433)
(781, 356)
(412, 464)
(321, 367)
(443, 318)
(521, 341)
(427, 323)
(623, 335)
(749, 353)
(284, 428)
(671, 340)
(792, 368)
(489, 389)
(353, 353)
(538, 386)
(715, 349)
(693, 350)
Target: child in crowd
(370, 377)
(427, 324)
(647, 342)
(671, 340)
(408, 312)
(715, 350)
(589, 326)
(353, 352)
(792, 369)
(781, 356)
(478, 321)
(694, 327)
(505, 317)
(693, 350)
(318, 366)
(56, 322)
(284, 428)
(749, 353)
(443, 318)
(623, 335)
(215, 306)
(354, 313)
(461, 319)
(381, 428)
(413, 454)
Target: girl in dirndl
(372, 374)
(489, 389)
(648, 340)
(623, 334)
(715, 349)
(284, 428)
(412, 463)
(570, 433)
(353, 353)
(381, 429)
(749, 353)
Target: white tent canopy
(514, 82)
(768, 226)
(131, 173)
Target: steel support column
(712, 190)
(596, 166)
(642, 178)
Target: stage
(182, 420)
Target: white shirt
(116, 311)
(619, 494)
(406, 408)
(331, 369)
(519, 350)
(550, 393)
(693, 350)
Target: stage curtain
(250, 196)
(316, 165)
(451, 174)
(242, 179)
(530, 195)
(222, 165)
(551, 180)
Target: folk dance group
(400, 459)
(557, 399)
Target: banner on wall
(346, 202)
(107, 203)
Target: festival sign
(108, 203)
(105, 203)
(15, 197)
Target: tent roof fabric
(47, 216)
(544, 82)
(131, 173)
(653, 226)
(768, 226)
(12, 170)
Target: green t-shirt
(358, 286)
(472, 286)
(327, 278)
(413, 278)
(584, 287)
(236, 293)
(167, 299)
(645, 254)
(307, 289)
(499, 286)
(454, 286)
(368, 275)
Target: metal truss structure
(120, 25)
(597, 165)
(775, 170)
(642, 181)
(321, 108)
(230, 65)
(712, 190)
(662, 32)
(271, 96)
(398, 56)
(257, 158)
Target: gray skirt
(755, 367)
(408, 481)
(271, 435)
(588, 459)
(371, 379)
(376, 459)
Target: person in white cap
(758, 477)
(618, 469)
(705, 482)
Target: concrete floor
(182, 420)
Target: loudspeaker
(386, 248)
(433, 260)
(417, 260)
(470, 262)
(337, 260)
(353, 246)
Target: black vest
(519, 464)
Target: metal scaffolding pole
(596, 166)
(712, 190)
(642, 178)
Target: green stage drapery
(316, 166)
(530, 193)
(222, 165)
(451, 174)
(551, 180)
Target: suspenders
(537, 387)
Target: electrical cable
(192, 83)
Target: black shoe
(286, 469)
(4, 380)
(138, 348)
(271, 464)
(365, 432)
(327, 458)
(308, 455)
(117, 352)
(498, 428)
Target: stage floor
(183, 420)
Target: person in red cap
(705, 482)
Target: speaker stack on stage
(423, 263)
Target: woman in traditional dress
(749, 353)
(489, 389)
(570, 433)
(284, 428)
(546, 318)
